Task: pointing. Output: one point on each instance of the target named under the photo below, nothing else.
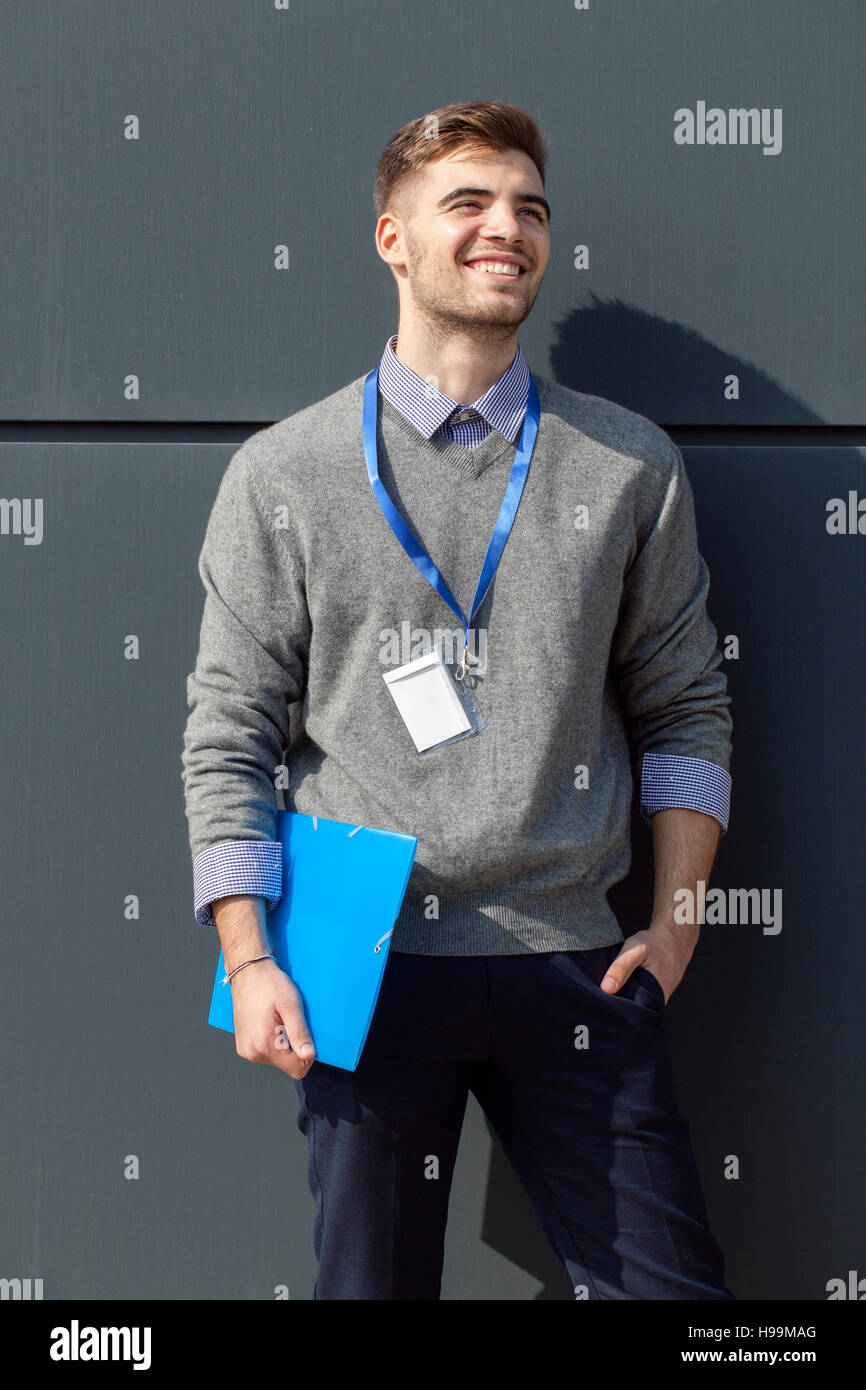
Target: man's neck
(460, 367)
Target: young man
(508, 974)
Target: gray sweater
(595, 624)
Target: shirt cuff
(698, 785)
(254, 867)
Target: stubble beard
(447, 313)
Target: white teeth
(497, 267)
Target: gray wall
(153, 257)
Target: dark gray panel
(769, 1035)
(262, 127)
(105, 1047)
(105, 1017)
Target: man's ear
(390, 236)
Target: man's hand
(269, 1019)
(684, 847)
(268, 1011)
(664, 951)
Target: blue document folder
(342, 889)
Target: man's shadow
(670, 373)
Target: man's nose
(502, 221)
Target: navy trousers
(577, 1085)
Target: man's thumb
(298, 1035)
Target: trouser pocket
(651, 984)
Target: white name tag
(435, 707)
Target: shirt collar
(503, 406)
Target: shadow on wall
(663, 370)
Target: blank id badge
(435, 706)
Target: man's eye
(470, 203)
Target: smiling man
(559, 527)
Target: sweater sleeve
(251, 665)
(667, 663)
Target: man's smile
(496, 270)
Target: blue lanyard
(501, 531)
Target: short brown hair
(476, 124)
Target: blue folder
(343, 885)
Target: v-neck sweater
(594, 650)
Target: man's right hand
(269, 1020)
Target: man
(508, 974)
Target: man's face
(439, 247)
